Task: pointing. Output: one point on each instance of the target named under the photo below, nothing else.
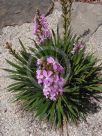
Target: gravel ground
(16, 122)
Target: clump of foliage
(82, 79)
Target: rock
(5, 110)
(53, 19)
(86, 17)
(94, 45)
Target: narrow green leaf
(22, 45)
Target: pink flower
(51, 80)
(47, 74)
(41, 30)
(56, 65)
(61, 82)
(39, 76)
(43, 21)
(39, 73)
(53, 96)
(39, 61)
(48, 79)
(77, 47)
(50, 60)
(46, 91)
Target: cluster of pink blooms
(41, 29)
(77, 47)
(49, 75)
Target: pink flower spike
(51, 80)
(42, 32)
(77, 47)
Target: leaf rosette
(82, 77)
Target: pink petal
(50, 73)
(44, 73)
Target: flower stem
(66, 14)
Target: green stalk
(66, 14)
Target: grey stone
(86, 17)
(94, 45)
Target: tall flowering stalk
(49, 75)
(66, 14)
(41, 29)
